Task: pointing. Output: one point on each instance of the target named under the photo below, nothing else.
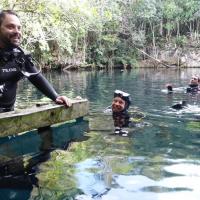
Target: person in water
(121, 117)
(169, 88)
(180, 105)
(120, 102)
(15, 65)
(194, 84)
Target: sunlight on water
(181, 184)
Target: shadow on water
(20, 156)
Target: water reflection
(171, 184)
(20, 156)
(158, 161)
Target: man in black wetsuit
(14, 65)
(122, 118)
(120, 105)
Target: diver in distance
(180, 105)
(193, 86)
(169, 88)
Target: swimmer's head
(194, 81)
(169, 87)
(121, 101)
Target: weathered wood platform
(15, 122)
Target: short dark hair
(3, 13)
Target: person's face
(194, 81)
(118, 104)
(10, 31)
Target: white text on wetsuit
(9, 70)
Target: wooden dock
(19, 121)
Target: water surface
(159, 160)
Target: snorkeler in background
(193, 84)
(169, 88)
(179, 106)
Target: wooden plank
(15, 122)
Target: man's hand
(64, 100)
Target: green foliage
(101, 32)
(180, 41)
(171, 10)
(147, 9)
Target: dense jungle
(95, 34)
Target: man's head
(10, 29)
(121, 101)
(194, 81)
(169, 87)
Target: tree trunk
(178, 29)
(153, 39)
(161, 28)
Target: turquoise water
(158, 160)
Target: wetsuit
(193, 88)
(11, 67)
(127, 119)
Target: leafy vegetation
(103, 32)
